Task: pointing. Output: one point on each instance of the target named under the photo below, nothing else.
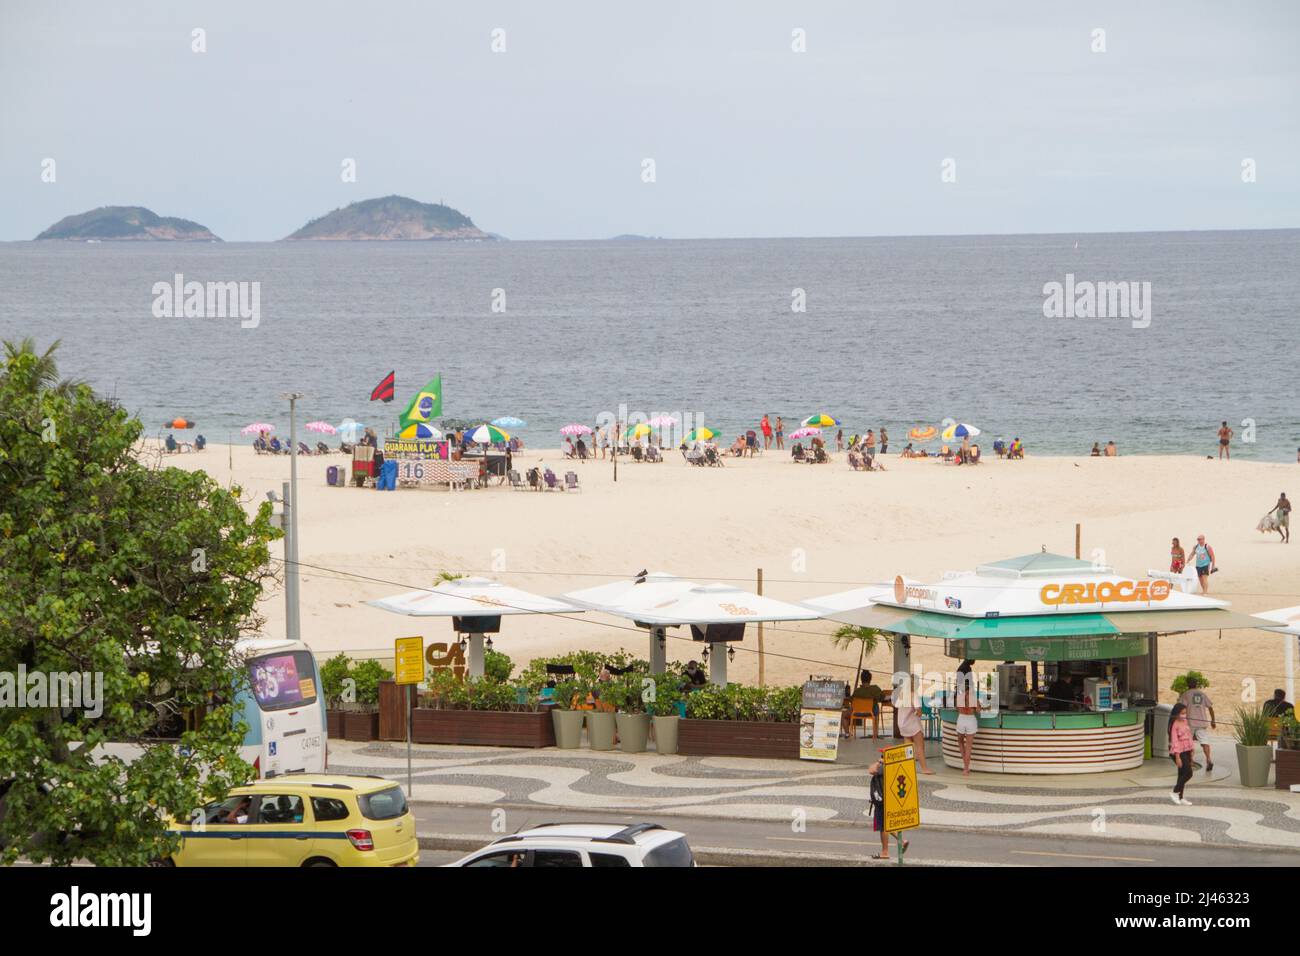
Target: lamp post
(293, 615)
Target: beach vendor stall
(424, 457)
(1065, 655)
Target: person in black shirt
(1061, 693)
(1279, 705)
(695, 676)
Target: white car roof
(634, 835)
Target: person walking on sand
(1225, 437)
(908, 716)
(1200, 716)
(765, 426)
(780, 432)
(839, 440)
(876, 797)
(968, 714)
(1203, 557)
(1282, 512)
(884, 441)
(1180, 749)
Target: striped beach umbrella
(256, 427)
(576, 429)
(959, 430)
(325, 428)
(701, 434)
(820, 420)
(805, 432)
(487, 434)
(639, 430)
(419, 430)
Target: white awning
(472, 597)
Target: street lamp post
(293, 615)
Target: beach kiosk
(1068, 649)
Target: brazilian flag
(425, 406)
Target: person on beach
(1200, 717)
(1282, 512)
(1096, 449)
(1180, 749)
(780, 432)
(765, 426)
(908, 716)
(968, 714)
(869, 445)
(1206, 564)
(1177, 558)
(876, 797)
(839, 440)
(1226, 435)
(1017, 449)
(1111, 450)
(884, 441)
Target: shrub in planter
(586, 666)
(497, 666)
(568, 722)
(627, 694)
(1254, 755)
(1287, 756)
(663, 710)
(333, 676)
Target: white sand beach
(812, 529)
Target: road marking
(1084, 856)
(811, 840)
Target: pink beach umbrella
(661, 422)
(805, 432)
(256, 428)
(325, 428)
(575, 429)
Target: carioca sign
(1104, 592)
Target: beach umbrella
(420, 430)
(960, 430)
(661, 422)
(922, 433)
(256, 427)
(350, 431)
(325, 428)
(639, 430)
(509, 421)
(701, 434)
(576, 429)
(820, 420)
(805, 432)
(179, 423)
(487, 434)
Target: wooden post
(1078, 547)
(761, 669)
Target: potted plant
(1253, 751)
(1287, 756)
(628, 694)
(361, 719)
(663, 709)
(334, 674)
(568, 722)
(601, 724)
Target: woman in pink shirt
(1180, 748)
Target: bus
(283, 708)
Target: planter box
(334, 724)
(392, 709)
(360, 726)
(1287, 768)
(1253, 764)
(737, 738)
(493, 728)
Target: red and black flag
(384, 390)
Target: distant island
(633, 237)
(392, 217)
(116, 223)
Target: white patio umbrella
(480, 598)
(632, 597)
(1289, 619)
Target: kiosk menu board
(819, 719)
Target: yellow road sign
(902, 797)
(408, 658)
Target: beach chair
(516, 482)
(855, 461)
(652, 454)
(322, 448)
(171, 445)
(275, 446)
(819, 456)
(571, 481)
(303, 449)
(713, 459)
(552, 483)
(636, 452)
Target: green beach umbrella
(487, 434)
(820, 420)
(701, 434)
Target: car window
(384, 805)
(608, 859)
(511, 858)
(556, 858)
(228, 812)
(280, 808)
(328, 808)
(675, 853)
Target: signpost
(408, 661)
(902, 798)
(821, 708)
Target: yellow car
(303, 820)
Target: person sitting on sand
(1017, 449)
(1096, 449)
(570, 451)
(738, 446)
(1111, 450)
(907, 450)
(974, 454)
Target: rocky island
(115, 223)
(392, 217)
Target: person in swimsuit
(968, 714)
(1225, 436)
(1282, 511)
(1177, 558)
(780, 432)
(766, 427)
(884, 441)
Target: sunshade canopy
(662, 600)
(472, 597)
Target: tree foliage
(143, 576)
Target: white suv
(585, 844)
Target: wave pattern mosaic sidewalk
(776, 789)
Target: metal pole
(1078, 549)
(290, 570)
(294, 621)
(410, 715)
(761, 671)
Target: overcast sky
(749, 138)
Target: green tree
(142, 577)
(867, 639)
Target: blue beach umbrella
(509, 421)
(350, 431)
(959, 430)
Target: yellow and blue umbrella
(419, 430)
(959, 430)
(820, 420)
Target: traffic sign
(408, 656)
(902, 798)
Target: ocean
(894, 332)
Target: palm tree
(47, 367)
(868, 639)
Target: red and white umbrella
(256, 427)
(325, 428)
(575, 429)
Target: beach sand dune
(812, 529)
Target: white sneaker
(1185, 802)
(1174, 797)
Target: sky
(1035, 128)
